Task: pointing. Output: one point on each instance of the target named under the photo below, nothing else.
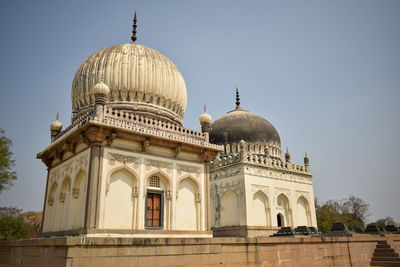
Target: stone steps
(385, 264)
(384, 255)
(384, 250)
(386, 259)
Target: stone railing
(257, 159)
(147, 125)
(83, 118)
(267, 148)
(152, 126)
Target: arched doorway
(280, 220)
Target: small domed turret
(56, 125)
(55, 128)
(101, 89)
(287, 155)
(205, 120)
(306, 160)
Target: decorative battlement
(130, 119)
(140, 123)
(268, 148)
(254, 154)
(82, 119)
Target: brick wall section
(261, 251)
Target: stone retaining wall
(260, 251)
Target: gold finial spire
(205, 108)
(58, 115)
(133, 38)
(237, 98)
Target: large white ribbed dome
(135, 74)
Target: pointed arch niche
(261, 209)
(158, 201)
(303, 217)
(63, 208)
(50, 218)
(78, 200)
(188, 205)
(230, 215)
(283, 209)
(121, 200)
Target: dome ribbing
(134, 74)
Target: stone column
(96, 136)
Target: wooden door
(153, 210)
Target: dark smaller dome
(241, 124)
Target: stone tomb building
(126, 166)
(253, 191)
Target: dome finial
(205, 108)
(133, 38)
(58, 115)
(237, 98)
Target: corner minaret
(55, 128)
(287, 155)
(205, 122)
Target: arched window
(154, 181)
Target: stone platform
(307, 251)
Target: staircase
(384, 255)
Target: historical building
(253, 191)
(126, 166)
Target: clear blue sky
(326, 74)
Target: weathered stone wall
(262, 251)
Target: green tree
(327, 213)
(352, 211)
(385, 221)
(34, 221)
(6, 163)
(12, 224)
